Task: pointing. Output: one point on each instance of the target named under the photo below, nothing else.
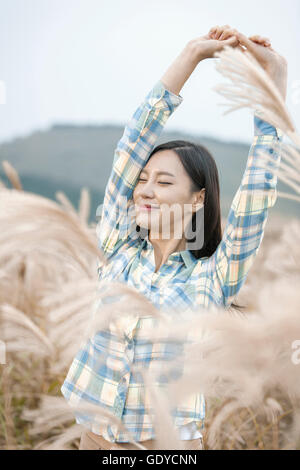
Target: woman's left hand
(273, 63)
(260, 47)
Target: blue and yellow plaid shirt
(101, 370)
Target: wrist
(195, 52)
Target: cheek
(169, 194)
(176, 195)
(182, 202)
(137, 192)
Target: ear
(199, 200)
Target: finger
(213, 28)
(217, 33)
(244, 41)
(256, 37)
(212, 31)
(233, 42)
(226, 34)
(260, 40)
(223, 30)
(262, 44)
(240, 48)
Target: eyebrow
(160, 173)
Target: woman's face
(163, 199)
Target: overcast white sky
(93, 61)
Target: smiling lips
(148, 207)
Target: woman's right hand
(194, 52)
(206, 46)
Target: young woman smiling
(168, 271)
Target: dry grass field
(245, 364)
(47, 285)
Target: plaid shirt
(100, 372)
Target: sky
(94, 61)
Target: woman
(171, 272)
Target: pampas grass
(251, 87)
(51, 302)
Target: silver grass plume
(251, 87)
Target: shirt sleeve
(248, 213)
(131, 155)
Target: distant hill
(69, 157)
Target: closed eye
(159, 182)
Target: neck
(164, 248)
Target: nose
(147, 190)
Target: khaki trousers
(92, 441)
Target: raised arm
(247, 217)
(131, 154)
(139, 138)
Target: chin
(147, 221)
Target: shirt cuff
(262, 127)
(161, 84)
(160, 92)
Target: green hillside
(68, 157)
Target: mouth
(148, 207)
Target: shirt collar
(186, 255)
